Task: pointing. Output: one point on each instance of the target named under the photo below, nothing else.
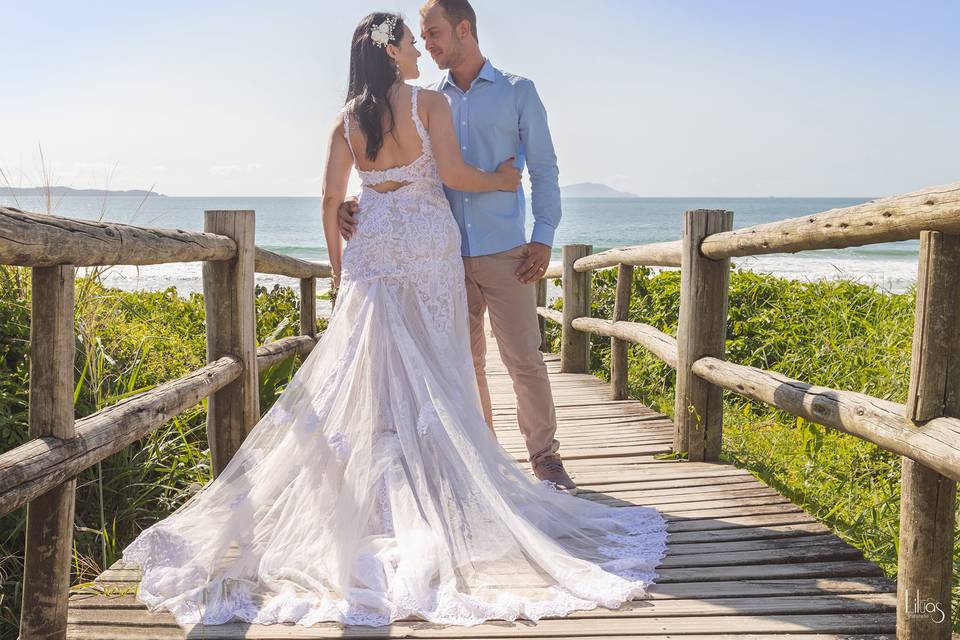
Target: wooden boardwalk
(743, 562)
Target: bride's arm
(335, 178)
(454, 172)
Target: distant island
(593, 190)
(69, 191)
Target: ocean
(292, 226)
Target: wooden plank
(49, 529)
(881, 422)
(831, 569)
(279, 350)
(308, 307)
(657, 342)
(276, 263)
(111, 633)
(896, 218)
(655, 254)
(228, 290)
(128, 610)
(868, 622)
(42, 240)
(743, 532)
(542, 304)
(37, 465)
(107, 632)
(619, 371)
(701, 331)
(575, 345)
(927, 498)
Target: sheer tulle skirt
(372, 491)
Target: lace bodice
(422, 169)
(407, 237)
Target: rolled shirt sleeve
(541, 161)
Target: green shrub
(127, 342)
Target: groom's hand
(348, 224)
(535, 263)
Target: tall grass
(838, 334)
(127, 342)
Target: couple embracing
(373, 490)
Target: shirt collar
(487, 72)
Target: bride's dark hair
(372, 73)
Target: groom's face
(440, 38)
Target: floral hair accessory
(382, 33)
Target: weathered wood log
(658, 254)
(49, 537)
(927, 498)
(550, 314)
(270, 354)
(554, 270)
(655, 341)
(38, 465)
(881, 422)
(575, 345)
(228, 290)
(618, 348)
(308, 307)
(281, 265)
(41, 240)
(896, 218)
(542, 302)
(701, 331)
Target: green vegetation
(126, 343)
(839, 334)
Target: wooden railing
(41, 473)
(925, 431)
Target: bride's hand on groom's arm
(347, 222)
(535, 263)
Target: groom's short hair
(457, 11)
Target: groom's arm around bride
(497, 115)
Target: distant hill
(593, 190)
(68, 191)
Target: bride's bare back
(402, 145)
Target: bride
(372, 490)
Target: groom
(498, 115)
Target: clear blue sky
(665, 98)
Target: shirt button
(466, 200)
(469, 225)
(464, 98)
(463, 122)
(464, 148)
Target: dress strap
(421, 130)
(346, 133)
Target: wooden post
(698, 411)
(49, 537)
(575, 345)
(542, 302)
(308, 307)
(927, 499)
(228, 290)
(618, 348)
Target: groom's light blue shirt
(499, 116)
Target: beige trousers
(493, 287)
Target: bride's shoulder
(432, 99)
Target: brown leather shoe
(550, 469)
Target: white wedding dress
(372, 490)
